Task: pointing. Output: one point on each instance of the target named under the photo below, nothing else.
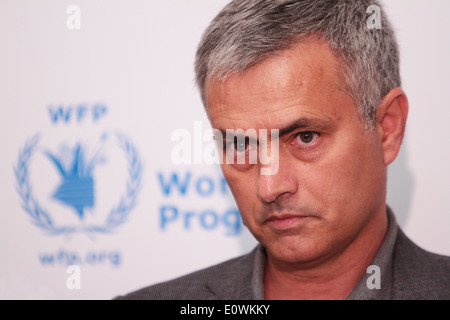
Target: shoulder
(234, 274)
(419, 274)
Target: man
(329, 83)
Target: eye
(306, 138)
(240, 145)
(241, 150)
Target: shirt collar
(383, 260)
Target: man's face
(331, 177)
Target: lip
(285, 222)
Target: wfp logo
(77, 187)
(72, 185)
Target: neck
(335, 277)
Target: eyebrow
(306, 123)
(301, 123)
(238, 136)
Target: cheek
(243, 187)
(352, 176)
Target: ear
(391, 118)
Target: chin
(297, 251)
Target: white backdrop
(118, 87)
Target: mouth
(285, 221)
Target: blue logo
(76, 166)
(77, 187)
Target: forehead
(304, 80)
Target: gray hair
(247, 32)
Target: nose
(281, 184)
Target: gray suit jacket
(416, 274)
